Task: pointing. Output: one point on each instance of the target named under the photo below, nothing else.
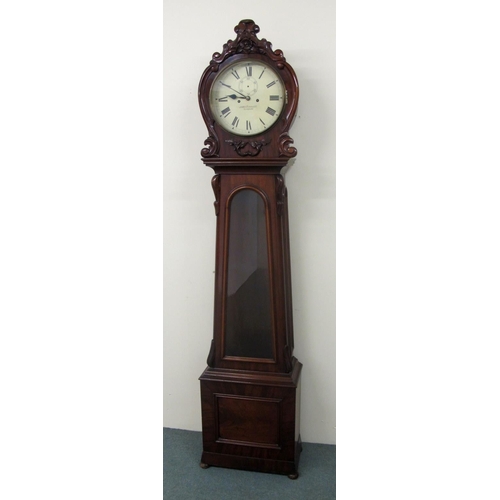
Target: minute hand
(247, 97)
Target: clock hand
(247, 97)
(232, 96)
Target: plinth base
(251, 420)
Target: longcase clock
(250, 391)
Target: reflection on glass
(248, 301)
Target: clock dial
(247, 97)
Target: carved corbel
(216, 188)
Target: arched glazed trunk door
(248, 331)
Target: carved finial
(247, 40)
(246, 27)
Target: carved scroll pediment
(246, 42)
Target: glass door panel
(248, 331)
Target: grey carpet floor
(184, 479)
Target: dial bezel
(229, 126)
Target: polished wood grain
(250, 393)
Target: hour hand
(234, 96)
(241, 96)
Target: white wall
(305, 31)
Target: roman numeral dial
(247, 97)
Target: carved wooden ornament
(274, 143)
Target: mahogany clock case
(272, 146)
(250, 391)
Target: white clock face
(247, 97)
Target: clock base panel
(251, 420)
